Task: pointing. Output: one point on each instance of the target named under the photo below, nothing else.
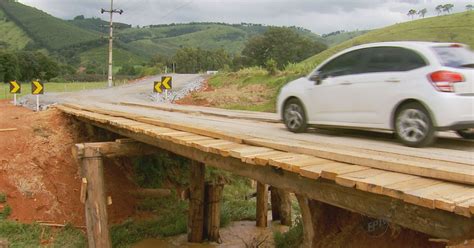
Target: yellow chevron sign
(15, 87)
(37, 88)
(157, 87)
(167, 82)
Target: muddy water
(237, 235)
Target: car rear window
(455, 56)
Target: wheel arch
(407, 101)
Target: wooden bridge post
(196, 202)
(281, 206)
(95, 200)
(262, 204)
(308, 229)
(212, 213)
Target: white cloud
(320, 16)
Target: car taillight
(444, 80)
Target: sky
(319, 16)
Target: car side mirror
(316, 78)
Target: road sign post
(15, 88)
(37, 88)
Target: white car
(412, 88)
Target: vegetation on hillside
(12, 37)
(47, 31)
(337, 37)
(96, 24)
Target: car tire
(294, 116)
(413, 125)
(466, 133)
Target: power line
(176, 9)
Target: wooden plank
(314, 171)
(265, 159)
(205, 145)
(224, 150)
(249, 150)
(283, 162)
(376, 183)
(333, 172)
(449, 201)
(426, 196)
(185, 140)
(396, 190)
(463, 208)
(115, 149)
(251, 158)
(8, 129)
(350, 179)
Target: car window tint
(391, 59)
(343, 65)
(454, 56)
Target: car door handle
(392, 80)
(346, 83)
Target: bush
(291, 239)
(271, 66)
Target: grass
(291, 239)
(51, 87)
(33, 235)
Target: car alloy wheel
(414, 126)
(294, 116)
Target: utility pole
(111, 38)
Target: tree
(469, 7)
(439, 9)
(284, 45)
(448, 7)
(412, 13)
(9, 67)
(422, 12)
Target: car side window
(345, 64)
(391, 59)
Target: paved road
(448, 148)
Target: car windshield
(455, 56)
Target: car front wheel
(466, 133)
(413, 126)
(294, 116)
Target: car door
(328, 104)
(380, 82)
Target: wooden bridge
(435, 198)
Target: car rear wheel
(294, 116)
(466, 133)
(413, 126)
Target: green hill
(47, 31)
(338, 37)
(12, 37)
(96, 24)
(166, 39)
(450, 28)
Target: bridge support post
(95, 199)
(262, 204)
(196, 202)
(281, 206)
(212, 216)
(308, 229)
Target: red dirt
(191, 100)
(39, 175)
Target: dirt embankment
(40, 177)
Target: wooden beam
(262, 204)
(434, 222)
(285, 207)
(196, 202)
(95, 203)
(120, 148)
(275, 203)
